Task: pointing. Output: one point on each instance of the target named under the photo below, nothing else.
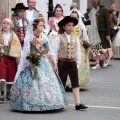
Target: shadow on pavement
(40, 112)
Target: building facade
(42, 5)
(107, 3)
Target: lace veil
(26, 48)
(85, 36)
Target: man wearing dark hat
(32, 13)
(19, 21)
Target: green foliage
(86, 44)
(34, 58)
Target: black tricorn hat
(66, 20)
(20, 6)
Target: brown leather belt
(66, 59)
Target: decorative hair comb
(34, 22)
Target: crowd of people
(39, 60)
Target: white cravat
(20, 22)
(68, 36)
(29, 14)
(6, 38)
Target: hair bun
(58, 5)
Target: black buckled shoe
(80, 107)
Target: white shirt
(29, 15)
(20, 22)
(6, 38)
(56, 46)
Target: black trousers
(66, 68)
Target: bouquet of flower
(34, 59)
(86, 45)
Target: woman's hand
(32, 66)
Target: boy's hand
(56, 68)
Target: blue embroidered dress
(42, 94)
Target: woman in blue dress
(45, 92)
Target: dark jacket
(104, 26)
(103, 20)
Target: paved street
(103, 99)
